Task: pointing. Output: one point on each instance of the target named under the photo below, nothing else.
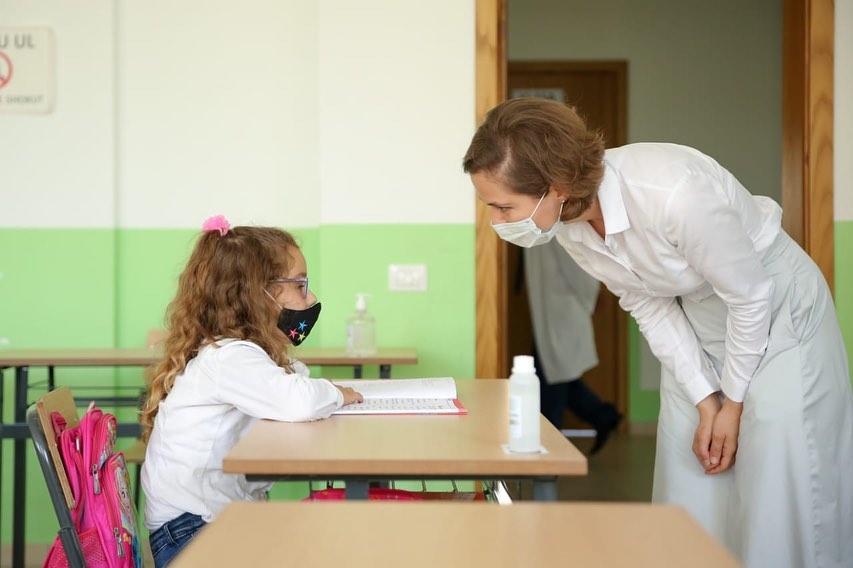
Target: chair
(135, 454)
(44, 441)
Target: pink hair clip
(216, 223)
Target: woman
(739, 316)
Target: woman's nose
(312, 299)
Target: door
(598, 90)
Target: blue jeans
(168, 540)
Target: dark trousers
(577, 397)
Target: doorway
(807, 172)
(598, 90)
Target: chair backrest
(61, 401)
(153, 341)
(155, 338)
(44, 441)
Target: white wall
(283, 112)
(705, 74)
(58, 169)
(397, 110)
(843, 126)
(218, 106)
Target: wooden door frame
(807, 100)
(808, 53)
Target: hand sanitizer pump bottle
(523, 406)
(361, 330)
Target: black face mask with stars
(297, 324)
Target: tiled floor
(621, 471)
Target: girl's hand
(724, 437)
(708, 409)
(350, 396)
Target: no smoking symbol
(5, 69)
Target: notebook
(404, 396)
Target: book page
(441, 387)
(403, 406)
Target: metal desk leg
(385, 371)
(51, 379)
(356, 371)
(19, 501)
(356, 489)
(545, 489)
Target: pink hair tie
(216, 223)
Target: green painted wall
(844, 281)
(57, 290)
(439, 322)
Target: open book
(404, 396)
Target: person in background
(562, 299)
(755, 432)
(242, 299)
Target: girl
(739, 316)
(242, 298)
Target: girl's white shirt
(222, 392)
(679, 225)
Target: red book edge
(462, 409)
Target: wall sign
(27, 70)
(552, 93)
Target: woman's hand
(350, 395)
(724, 437)
(708, 408)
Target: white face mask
(525, 233)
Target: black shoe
(602, 434)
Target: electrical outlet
(407, 277)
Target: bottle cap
(361, 301)
(523, 364)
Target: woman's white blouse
(679, 225)
(222, 392)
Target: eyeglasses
(303, 281)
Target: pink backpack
(103, 511)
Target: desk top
(116, 357)
(109, 357)
(409, 445)
(453, 534)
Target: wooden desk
(22, 359)
(360, 449)
(454, 535)
(121, 357)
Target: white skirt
(788, 500)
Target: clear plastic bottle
(523, 406)
(361, 330)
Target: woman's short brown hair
(532, 144)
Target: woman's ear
(558, 192)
